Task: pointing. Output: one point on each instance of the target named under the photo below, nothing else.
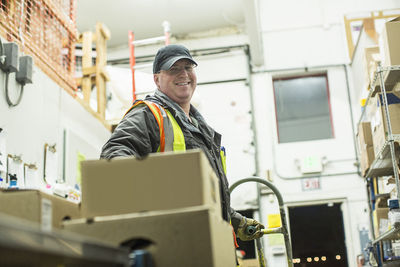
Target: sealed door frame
(351, 260)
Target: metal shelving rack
(385, 163)
(382, 165)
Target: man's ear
(156, 80)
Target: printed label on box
(47, 215)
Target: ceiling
(145, 17)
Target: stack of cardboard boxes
(168, 203)
(384, 53)
(375, 125)
(373, 131)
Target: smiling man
(166, 121)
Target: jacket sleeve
(236, 217)
(136, 135)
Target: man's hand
(245, 233)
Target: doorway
(317, 234)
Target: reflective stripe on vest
(223, 158)
(179, 139)
(171, 135)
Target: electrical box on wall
(311, 164)
(11, 60)
(24, 75)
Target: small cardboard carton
(160, 181)
(249, 263)
(372, 58)
(390, 43)
(365, 133)
(378, 120)
(365, 142)
(32, 205)
(380, 217)
(367, 157)
(194, 236)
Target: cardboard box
(390, 43)
(372, 58)
(378, 120)
(160, 181)
(380, 216)
(365, 134)
(36, 206)
(249, 263)
(365, 143)
(367, 156)
(183, 237)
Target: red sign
(308, 184)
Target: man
(159, 122)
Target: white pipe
(153, 40)
(143, 66)
(167, 26)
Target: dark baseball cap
(168, 55)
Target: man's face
(179, 82)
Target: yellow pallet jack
(279, 230)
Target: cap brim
(168, 64)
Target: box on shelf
(39, 207)
(372, 58)
(365, 142)
(365, 134)
(160, 181)
(378, 120)
(380, 217)
(193, 236)
(390, 42)
(367, 157)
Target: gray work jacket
(138, 135)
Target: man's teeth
(182, 83)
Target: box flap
(394, 20)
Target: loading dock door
(317, 234)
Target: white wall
(45, 111)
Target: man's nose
(183, 71)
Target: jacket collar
(179, 114)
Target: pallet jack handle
(283, 229)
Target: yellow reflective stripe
(223, 158)
(157, 115)
(179, 139)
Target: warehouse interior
(304, 93)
